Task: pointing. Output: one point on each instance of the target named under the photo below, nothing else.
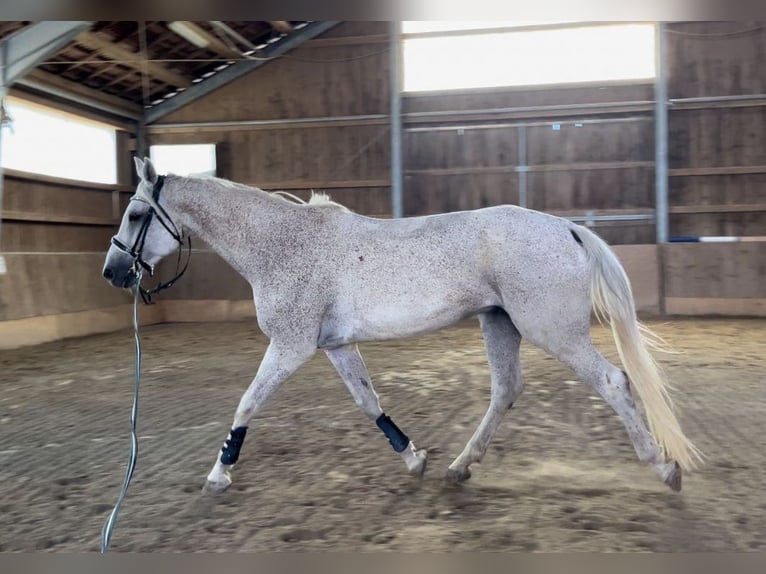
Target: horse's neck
(234, 222)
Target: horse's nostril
(108, 273)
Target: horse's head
(146, 234)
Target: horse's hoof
(419, 467)
(673, 479)
(457, 475)
(217, 486)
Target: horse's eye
(134, 217)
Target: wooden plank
(52, 283)
(592, 166)
(641, 263)
(12, 215)
(320, 184)
(532, 168)
(717, 142)
(60, 181)
(347, 41)
(599, 212)
(718, 208)
(734, 224)
(214, 43)
(77, 89)
(718, 189)
(536, 112)
(598, 144)
(527, 96)
(712, 61)
(112, 51)
(630, 189)
(36, 330)
(34, 201)
(293, 88)
(31, 237)
(253, 125)
(756, 101)
(284, 159)
(718, 306)
(722, 170)
(719, 270)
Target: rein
(106, 531)
(139, 267)
(136, 251)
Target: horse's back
(394, 278)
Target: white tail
(612, 299)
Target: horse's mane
(317, 199)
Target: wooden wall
(577, 161)
(54, 236)
(596, 159)
(343, 73)
(717, 154)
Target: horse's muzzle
(117, 278)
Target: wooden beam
(593, 166)
(23, 50)
(752, 306)
(723, 170)
(598, 212)
(348, 41)
(278, 124)
(719, 208)
(133, 59)
(568, 111)
(542, 168)
(88, 185)
(11, 215)
(321, 184)
(75, 92)
(282, 26)
(214, 43)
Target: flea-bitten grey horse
(326, 278)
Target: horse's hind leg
(502, 341)
(279, 362)
(612, 384)
(350, 366)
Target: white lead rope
(106, 531)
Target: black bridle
(136, 251)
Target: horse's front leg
(279, 362)
(350, 366)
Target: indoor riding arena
(651, 135)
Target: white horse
(326, 278)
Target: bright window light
(556, 56)
(48, 142)
(185, 159)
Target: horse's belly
(381, 320)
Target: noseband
(136, 251)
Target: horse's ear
(148, 173)
(139, 166)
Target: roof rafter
(106, 48)
(214, 43)
(72, 91)
(25, 49)
(238, 70)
